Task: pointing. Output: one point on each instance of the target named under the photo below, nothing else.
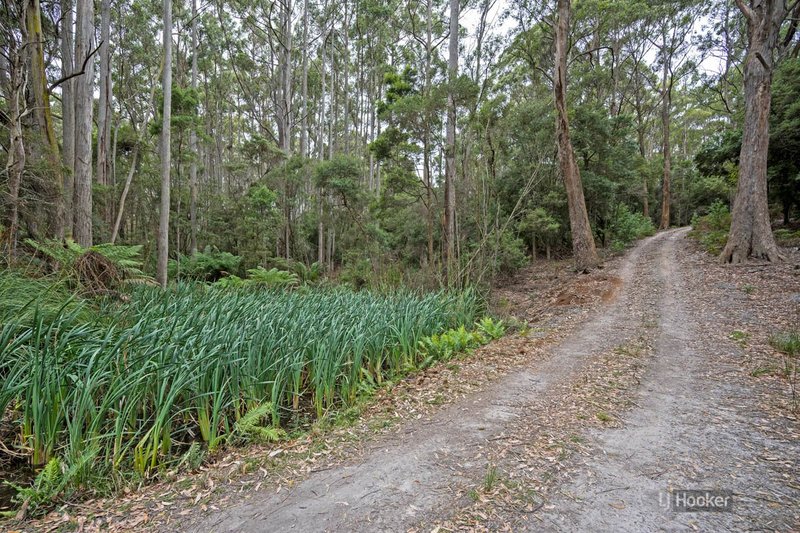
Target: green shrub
(76, 266)
(356, 272)
(307, 275)
(209, 265)
(272, 278)
(507, 252)
(711, 230)
(626, 227)
(490, 328)
(445, 345)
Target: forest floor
(652, 374)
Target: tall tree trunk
(84, 96)
(304, 99)
(166, 87)
(134, 158)
(104, 109)
(320, 157)
(751, 231)
(450, 148)
(13, 78)
(642, 152)
(582, 242)
(44, 149)
(193, 143)
(346, 61)
(666, 151)
(68, 110)
(286, 116)
(426, 144)
(124, 195)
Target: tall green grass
(131, 384)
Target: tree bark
(450, 148)
(166, 87)
(583, 246)
(320, 157)
(304, 99)
(285, 128)
(193, 144)
(44, 148)
(645, 192)
(666, 150)
(104, 108)
(751, 231)
(68, 111)
(125, 189)
(426, 144)
(84, 96)
(13, 78)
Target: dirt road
(686, 430)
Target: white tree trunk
(104, 109)
(193, 143)
(166, 86)
(84, 96)
(68, 110)
(450, 148)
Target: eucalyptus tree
(166, 149)
(450, 147)
(67, 58)
(674, 21)
(751, 235)
(583, 247)
(193, 141)
(12, 84)
(84, 111)
(105, 108)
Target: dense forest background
(266, 160)
(366, 137)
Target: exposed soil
(652, 374)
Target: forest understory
(407, 265)
(659, 371)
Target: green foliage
(185, 103)
(272, 278)
(209, 265)
(356, 272)
(22, 296)
(307, 275)
(787, 237)
(55, 480)
(490, 328)
(113, 391)
(250, 427)
(445, 345)
(507, 252)
(539, 224)
(65, 260)
(787, 342)
(626, 227)
(711, 230)
(230, 282)
(293, 274)
(340, 175)
(784, 136)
